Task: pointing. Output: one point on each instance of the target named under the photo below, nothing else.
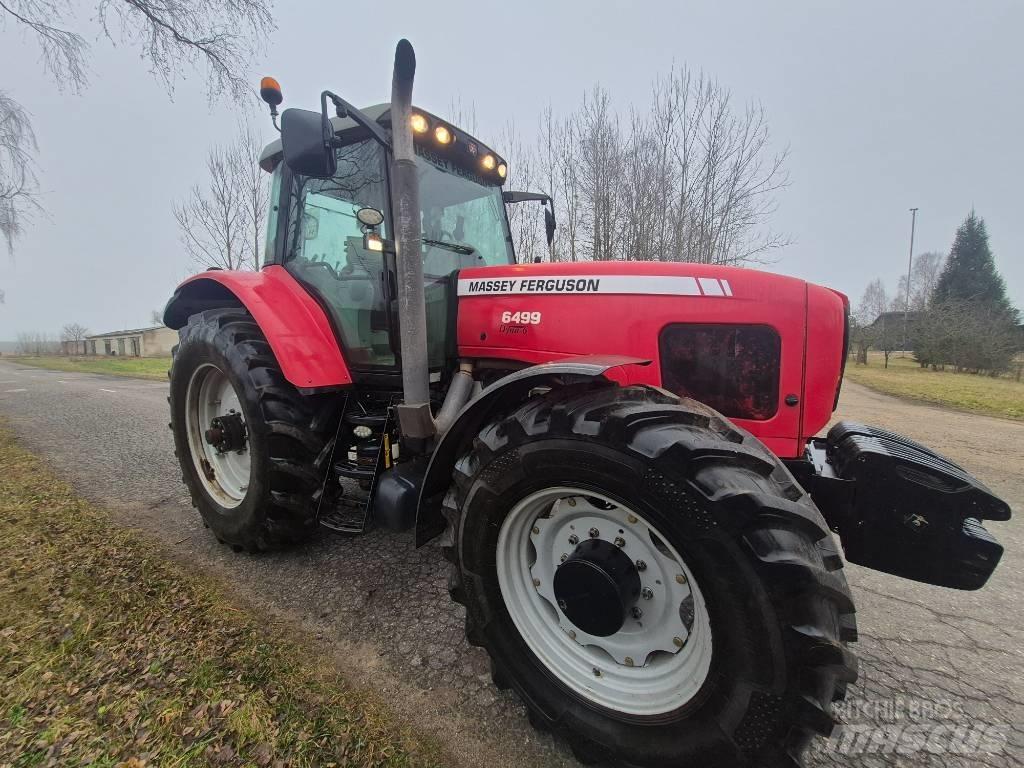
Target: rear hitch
(903, 509)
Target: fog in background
(883, 106)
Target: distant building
(139, 342)
(892, 325)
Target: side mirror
(305, 142)
(549, 223)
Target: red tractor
(620, 459)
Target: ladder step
(346, 516)
(354, 473)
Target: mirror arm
(344, 109)
(525, 197)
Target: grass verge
(113, 655)
(136, 367)
(1002, 397)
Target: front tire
(256, 489)
(743, 667)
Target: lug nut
(536, 582)
(646, 593)
(678, 642)
(629, 661)
(597, 672)
(574, 539)
(562, 605)
(572, 502)
(637, 611)
(594, 533)
(563, 558)
(641, 565)
(631, 518)
(620, 542)
(572, 634)
(680, 579)
(536, 530)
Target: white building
(139, 342)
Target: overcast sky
(884, 106)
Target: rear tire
(285, 433)
(778, 607)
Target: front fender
(504, 394)
(296, 326)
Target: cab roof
(381, 113)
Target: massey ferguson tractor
(620, 459)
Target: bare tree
(689, 178)
(873, 304)
(211, 220)
(222, 225)
(73, 337)
(171, 35)
(18, 187)
(924, 274)
(253, 187)
(156, 317)
(36, 344)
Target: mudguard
(504, 394)
(296, 326)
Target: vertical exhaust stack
(414, 414)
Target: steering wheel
(326, 265)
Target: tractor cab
(316, 233)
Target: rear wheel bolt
(597, 672)
(631, 518)
(679, 642)
(629, 661)
(646, 593)
(563, 558)
(594, 533)
(641, 565)
(680, 579)
(536, 582)
(562, 605)
(574, 539)
(619, 541)
(637, 612)
(536, 530)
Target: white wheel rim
(224, 475)
(655, 663)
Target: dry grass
(112, 655)
(136, 367)
(1002, 397)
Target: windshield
(463, 218)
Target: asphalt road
(941, 670)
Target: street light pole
(910, 266)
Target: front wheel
(247, 440)
(650, 580)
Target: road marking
(9, 381)
(8, 391)
(61, 381)
(113, 391)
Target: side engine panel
(733, 338)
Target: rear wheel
(650, 580)
(248, 443)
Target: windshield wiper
(463, 249)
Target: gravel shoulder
(380, 609)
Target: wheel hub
(226, 433)
(596, 587)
